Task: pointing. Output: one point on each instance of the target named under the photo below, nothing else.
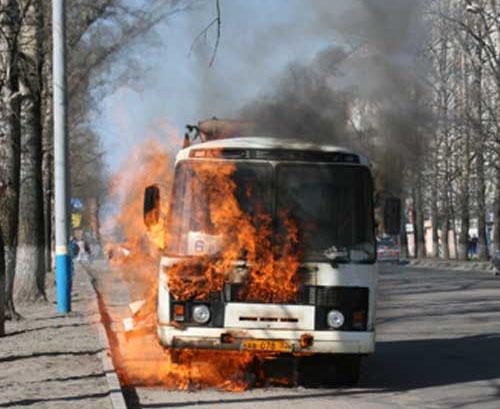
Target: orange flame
(271, 271)
(272, 277)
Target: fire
(271, 263)
(146, 166)
(272, 268)
(271, 279)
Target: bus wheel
(348, 369)
(314, 371)
(329, 370)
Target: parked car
(387, 250)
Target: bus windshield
(197, 189)
(331, 206)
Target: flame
(272, 274)
(275, 279)
(271, 263)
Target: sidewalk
(479, 266)
(52, 361)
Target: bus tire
(348, 369)
(329, 370)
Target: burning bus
(270, 247)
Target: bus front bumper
(336, 342)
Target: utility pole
(61, 162)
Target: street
(250, 204)
(438, 336)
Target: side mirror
(392, 215)
(151, 205)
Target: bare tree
(463, 48)
(46, 130)
(30, 267)
(466, 151)
(2, 281)
(477, 29)
(479, 145)
(10, 16)
(98, 32)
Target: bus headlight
(201, 314)
(335, 319)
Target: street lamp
(61, 163)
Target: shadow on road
(49, 354)
(50, 401)
(412, 364)
(398, 366)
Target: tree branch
(216, 21)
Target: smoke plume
(364, 92)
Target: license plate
(266, 345)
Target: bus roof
(262, 142)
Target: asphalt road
(438, 346)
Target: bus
(328, 193)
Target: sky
(259, 38)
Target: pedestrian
(474, 245)
(74, 248)
(86, 251)
(469, 248)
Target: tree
(479, 149)
(30, 266)
(47, 125)
(10, 15)
(466, 154)
(2, 281)
(478, 28)
(98, 32)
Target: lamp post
(61, 163)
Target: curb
(484, 267)
(115, 390)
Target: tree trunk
(463, 241)
(9, 143)
(496, 209)
(481, 206)
(477, 109)
(47, 205)
(404, 239)
(453, 227)
(445, 230)
(434, 212)
(420, 218)
(30, 268)
(2, 287)
(414, 218)
(496, 220)
(47, 140)
(445, 226)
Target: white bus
(329, 193)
